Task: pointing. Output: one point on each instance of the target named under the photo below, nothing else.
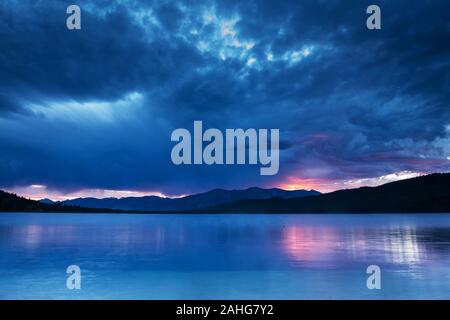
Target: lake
(236, 256)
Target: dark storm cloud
(110, 56)
(9, 104)
(95, 108)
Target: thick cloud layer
(94, 108)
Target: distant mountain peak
(47, 201)
(429, 193)
(191, 202)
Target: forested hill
(10, 202)
(425, 194)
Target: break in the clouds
(93, 109)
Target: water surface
(129, 256)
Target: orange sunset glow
(295, 183)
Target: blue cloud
(95, 108)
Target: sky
(90, 112)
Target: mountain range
(192, 202)
(10, 202)
(424, 194)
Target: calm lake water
(128, 256)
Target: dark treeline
(425, 194)
(10, 202)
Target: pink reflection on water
(397, 245)
(310, 243)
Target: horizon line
(41, 192)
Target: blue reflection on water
(224, 256)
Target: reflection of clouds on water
(227, 254)
(309, 243)
(122, 239)
(402, 246)
(33, 235)
(233, 242)
(390, 245)
(397, 244)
